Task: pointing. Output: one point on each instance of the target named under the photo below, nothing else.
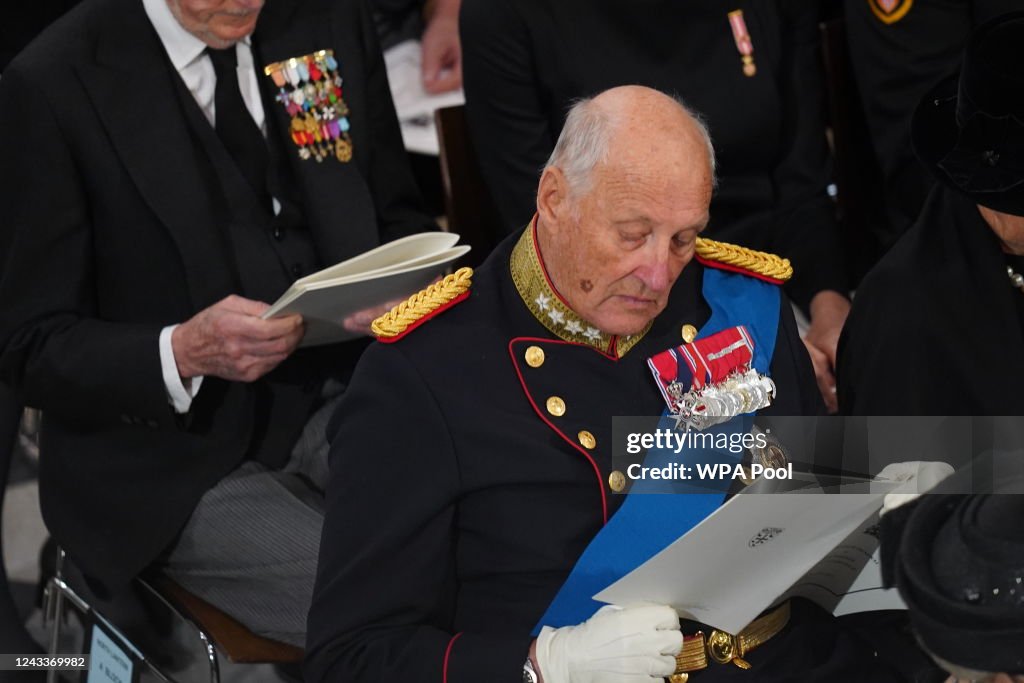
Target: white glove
(636, 644)
(918, 476)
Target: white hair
(585, 137)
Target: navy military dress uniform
(479, 446)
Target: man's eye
(683, 241)
(632, 238)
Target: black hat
(969, 129)
(958, 561)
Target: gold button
(617, 481)
(689, 333)
(587, 439)
(556, 406)
(679, 678)
(535, 356)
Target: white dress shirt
(187, 54)
(195, 68)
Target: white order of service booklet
(757, 550)
(391, 271)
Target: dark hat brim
(929, 544)
(933, 129)
(934, 133)
(977, 637)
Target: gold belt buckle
(724, 648)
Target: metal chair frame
(58, 594)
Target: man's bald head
(620, 205)
(623, 119)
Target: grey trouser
(250, 547)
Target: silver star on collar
(574, 327)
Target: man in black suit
(168, 167)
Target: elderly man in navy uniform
(478, 443)
(167, 169)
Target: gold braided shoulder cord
(424, 302)
(758, 262)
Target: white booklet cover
(391, 271)
(758, 549)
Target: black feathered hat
(958, 561)
(969, 129)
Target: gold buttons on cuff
(534, 356)
(689, 333)
(587, 439)
(556, 406)
(679, 678)
(617, 481)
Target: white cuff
(178, 395)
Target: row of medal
(744, 391)
(309, 88)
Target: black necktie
(235, 125)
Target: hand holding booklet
(759, 549)
(391, 271)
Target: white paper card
(746, 555)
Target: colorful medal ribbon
(711, 380)
(309, 88)
(646, 523)
(743, 42)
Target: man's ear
(552, 196)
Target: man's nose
(656, 271)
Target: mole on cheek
(586, 285)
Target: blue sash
(646, 523)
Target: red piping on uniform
(735, 269)
(522, 382)
(437, 311)
(447, 653)
(613, 342)
(544, 268)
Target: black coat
(458, 504)
(111, 231)
(936, 328)
(525, 61)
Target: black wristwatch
(529, 674)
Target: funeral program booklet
(759, 549)
(391, 271)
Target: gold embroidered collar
(548, 307)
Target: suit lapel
(131, 86)
(337, 203)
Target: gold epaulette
(731, 257)
(422, 306)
